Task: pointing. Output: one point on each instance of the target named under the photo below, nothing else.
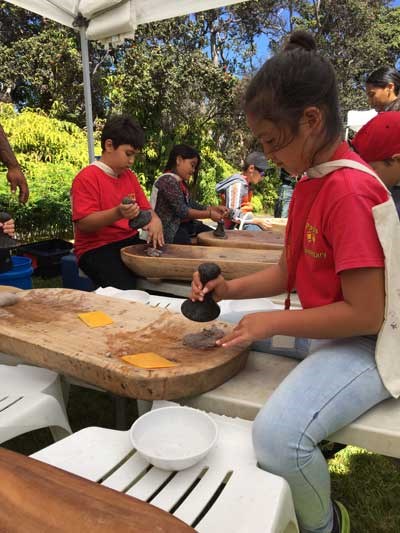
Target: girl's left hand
(218, 212)
(251, 328)
(8, 227)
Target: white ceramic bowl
(174, 438)
(134, 296)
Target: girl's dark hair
(382, 76)
(186, 152)
(289, 82)
(122, 129)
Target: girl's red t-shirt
(339, 232)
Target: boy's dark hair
(382, 76)
(122, 129)
(289, 82)
(186, 152)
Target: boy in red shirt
(101, 220)
(378, 143)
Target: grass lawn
(368, 484)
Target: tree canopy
(183, 78)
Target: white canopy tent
(357, 119)
(110, 21)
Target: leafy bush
(51, 152)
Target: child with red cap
(378, 143)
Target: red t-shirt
(94, 190)
(339, 233)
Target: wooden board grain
(44, 328)
(257, 240)
(39, 498)
(180, 261)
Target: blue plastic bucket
(20, 275)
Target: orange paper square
(95, 319)
(147, 360)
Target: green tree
(357, 35)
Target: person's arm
(265, 283)
(215, 212)
(360, 313)
(8, 227)
(15, 175)
(100, 219)
(263, 223)
(154, 228)
(233, 195)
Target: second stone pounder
(208, 309)
(143, 217)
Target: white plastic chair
(31, 398)
(226, 491)
(357, 119)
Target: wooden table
(259, 240)
(39, 498)
(44, 328)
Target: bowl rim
(175, 407)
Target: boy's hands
(129, 210)
(155, 232)
(219, 285)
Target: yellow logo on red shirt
(311, 233)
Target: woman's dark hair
(289, 82)
(382, 76)
(186, 152)
(122, 129)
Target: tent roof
(116, 18)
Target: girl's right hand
(219, 285)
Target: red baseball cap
(379, 139)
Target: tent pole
(87, 91)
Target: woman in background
(382, 88)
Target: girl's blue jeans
(329, 389)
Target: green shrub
(51, 152)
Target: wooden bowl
(258, 240)
(180, 261)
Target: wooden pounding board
(180, 261)
(37, 498)
(43, 328)
(258, 240)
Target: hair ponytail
(300, 39)
(294, 79)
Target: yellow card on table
(147, 360)
(95, 319)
